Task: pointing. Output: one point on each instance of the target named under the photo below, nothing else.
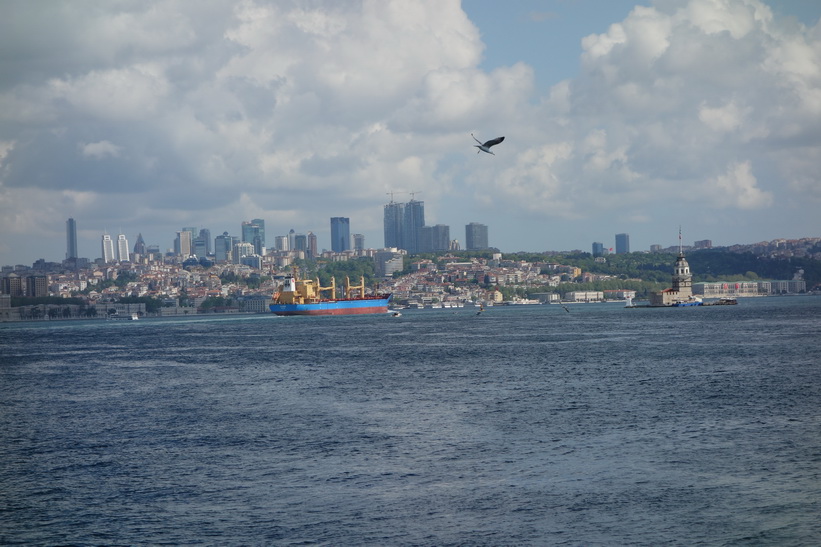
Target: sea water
(516, 425)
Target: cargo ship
(304, 297)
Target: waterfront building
(122, 248)
(107, 249)
(476, 237)
(598, 249)
(682, 289)
(36, 285)
(340, 234)
(71, 239)
(12, 285)
(622, 243)
(253, 232)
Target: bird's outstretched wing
(477, 140)
(492, 142)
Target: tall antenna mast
(679, 239)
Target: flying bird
(485, 147)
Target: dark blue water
(524, 425)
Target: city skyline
(619, 117)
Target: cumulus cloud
(221, 111)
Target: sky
(143, 116)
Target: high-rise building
(312, 246)
(434, 239)
(108, 249)
(301, 243)
(71, 239)
(37, 285)
(622, 243)
(281, 243)
(358, 242)
(394, 212)
(182, 245)
(12, 284)
(476, 237)
(122, 248)
(403, 224)
(222, 247)
(414, 220)
(242, 250)
(205, 235)
(139, 247)
(340, 234)
(254, 233)
(598, 248)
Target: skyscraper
(358, 242)
(434, 238)
(392, 220)
(205, 235)
(340, 234)
(312, 245)
(139, 246)
(222, 247)
(254, 233)
(403, 224)
(108, 249)
(598, 248)
(182, 245)
(71, 239)
(122, 248)
(622, 243)
(475, 237)
(412, 223)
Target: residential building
(340, 234)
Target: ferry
(304, 297)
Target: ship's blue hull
(335, 307)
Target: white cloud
(738, 187)
(305, 111)
(100, 150)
